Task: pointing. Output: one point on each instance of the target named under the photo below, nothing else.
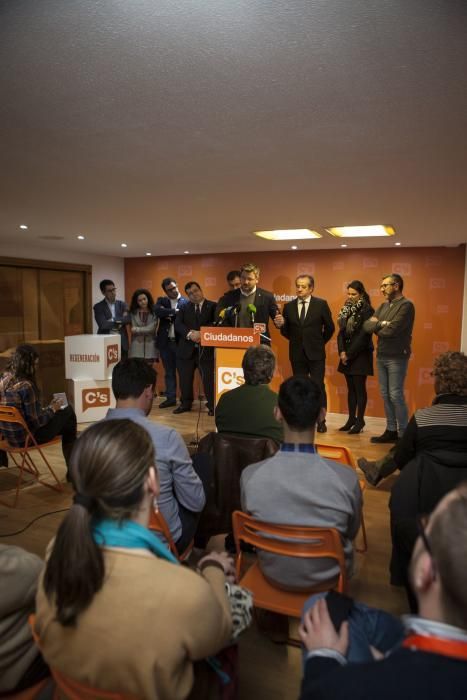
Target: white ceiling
(186, 124)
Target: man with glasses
(429, 659)
(112, 315)
(393, 324)
(166, 309)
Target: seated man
(249, 409)
(430, 661)
(298, 487)
(18, 388)
(182, 495)
(21, 664)
(441, 427)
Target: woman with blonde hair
(115, 610)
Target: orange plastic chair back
(9, 414)
(339, 453)
(158, 523)
(302, 542)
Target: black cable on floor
(18, 532)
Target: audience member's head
(258, 365)
(113, 470)
(450, 373)
(141, 300)
(438, 570)
(299, 403)
(133, 382)
(233, 279)
(23, 362)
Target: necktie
(197, 316)
(302, 312)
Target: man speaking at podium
(249, 304)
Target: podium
(230, 345)
(89, 362)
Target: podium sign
(230, 344)
(220, 337)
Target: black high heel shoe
(357, 427)
(350, 423)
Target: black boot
(357, 427)
(350, 423)
(387, 436)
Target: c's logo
(229, 378)
(95, 398)
(112, 354)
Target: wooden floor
(267, 670)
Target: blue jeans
(367, 626)
(169, 360)
(391, 376)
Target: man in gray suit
(112, 315)
(307, 324)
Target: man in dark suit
(307, 324)
(249, 304)
(190, 354)
(112, 315)
(166, 309)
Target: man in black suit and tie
(166, 309)
(249, 304)
(190, 354)
(307, 323)
(112, 315)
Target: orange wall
(433, 277)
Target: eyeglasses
(422, 523)
(171, 289)
(111, 289)
(388, 284)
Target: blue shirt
(178, 481)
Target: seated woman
(143, 326)
(18, 388)
(115, 610)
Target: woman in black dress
(355, 352)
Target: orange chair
(341, 454)
(303, 542)
(11, 415)
(158, 523)
(69, 689)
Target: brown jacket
(143, 629)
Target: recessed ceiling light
(343, 245)
(80, 238)
(291, 234)
(123, 245)
(360, 231)
(186, 252)
(294, 247)
(23, 226)
(398, 243)
(148, 253)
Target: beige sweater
(143, 629)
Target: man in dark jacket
(249, 305)
(190, 354)
(166, 310)
(112, 315)
(307, 324)
(431, 660)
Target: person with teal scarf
(115, 610)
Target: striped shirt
(23, 395)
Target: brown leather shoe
(370, 471)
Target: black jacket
(265, 303)
(186, 322)
(315, 332)
(358, 347)
(166, 314)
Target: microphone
(251, 308)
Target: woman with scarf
(115, 609)
(355, 352)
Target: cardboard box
(90, 398)
(91, 356)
